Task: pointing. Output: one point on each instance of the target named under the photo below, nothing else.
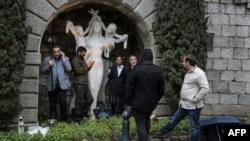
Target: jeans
(194, 117)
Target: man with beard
(83, 97)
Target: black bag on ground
(101, 110)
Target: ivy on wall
(13, 40)
(180, 28)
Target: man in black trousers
(145, 89)
(56, 67)
(83, 98)
(117, 78)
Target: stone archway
(42, 14)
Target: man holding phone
(83, 97)
(56, 67)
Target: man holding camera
(56, 67)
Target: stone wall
(228, 65)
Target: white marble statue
(96, 45)
(111, 37)
(78, 32)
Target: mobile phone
(60, 55)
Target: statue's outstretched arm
(86, 31)
(70, 27)
(121, 38)
(117, 35)
(67, 26)
(95, 16)
(93, 12)
(103, 25)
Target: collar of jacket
(80, 57)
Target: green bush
(246, 122)
(103, 129)
(13, 40)
(180, 28)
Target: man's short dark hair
(81, 48)
(56, 46)
(132, 55)
(118, 57)
(191, 59)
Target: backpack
(101, 110)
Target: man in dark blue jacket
(117, 77)
(145, 89)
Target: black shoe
(79, 121)
(160, 135)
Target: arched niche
(78, 14)
(47, 18)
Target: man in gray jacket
(56, 67)
(194, 89)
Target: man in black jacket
(145, 89)
(117, 77)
